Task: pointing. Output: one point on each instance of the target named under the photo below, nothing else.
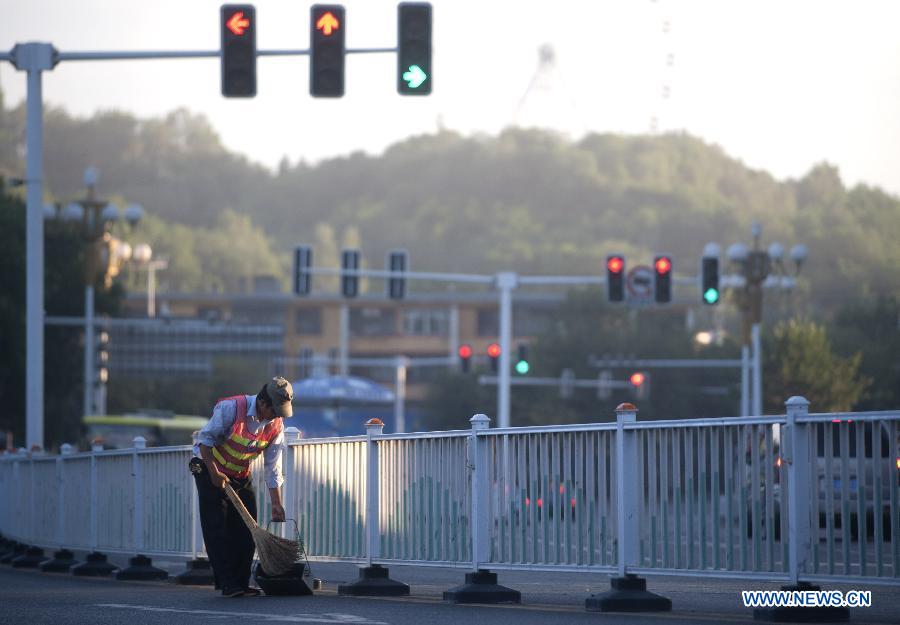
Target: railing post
(481, 535)
(95, 564)
(626, 488)
(373, 579)
(374, 427)
(795, 442)
(799, 486)
(291, 435)
(627, 593)
(139, 443)
(481, 585)
(140, 567)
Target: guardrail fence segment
(800, 496)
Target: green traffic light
(711, 296)
(414, 77)
(522, 367)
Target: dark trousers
(229, 543)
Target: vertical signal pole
(34, 58)
(505, 282)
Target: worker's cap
(280, 393)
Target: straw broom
(277, 555)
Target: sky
(780, 85)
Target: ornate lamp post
(757, 269)
(104, 257)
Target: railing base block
(199, 573)
(31, 559)
(63, 560)
(628, 594)
(18, 549)
(141, 568)
(94, 566)
(374, 582)
(481, 587)
(802, 615)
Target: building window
(426, 322)
(308, 321)
(373, 322)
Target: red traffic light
(237, 23)
(663, 265)
(465, 351)
(615, 264)
(636, 378)
(493, 350)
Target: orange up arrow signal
(237, 23)
(327, 24)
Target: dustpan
(291, 582)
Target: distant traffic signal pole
(505, 282)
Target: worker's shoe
(252, 592)
(233, 592)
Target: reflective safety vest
(234, 455)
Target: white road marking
(330, 618)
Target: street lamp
(104, 257)
(757, 268)
(143, 255)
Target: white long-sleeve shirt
(218, 428)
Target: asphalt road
(32, 598)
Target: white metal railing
(787, 497)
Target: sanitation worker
(241, 428)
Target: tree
(63, 346)
(800, 361)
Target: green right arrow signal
(414, 77)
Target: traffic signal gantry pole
(35, 58)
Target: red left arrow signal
(237, 23)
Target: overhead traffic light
(465, 357)
(615, 278)
(349, 280)
(522, 365)
(302, 265)
(238, 29)
(414, 48)
(327, 28)
(662, 268)
(709, 274)
(493, 352)
(397, 263)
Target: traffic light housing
(397, 264)
(465, 357)
(101, 361)
(238, 28)
(662, 269)
(522, 364)
(493, 352)
(302, 266)
(327, 29)
(709, 280)
(414, 48)
(615, 278)
(349, 281)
